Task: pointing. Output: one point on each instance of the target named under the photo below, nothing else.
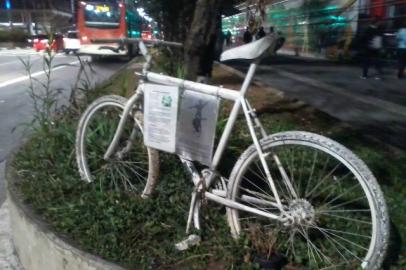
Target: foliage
(14, 35)
(119, 226)
(136, 233)
(174, 17)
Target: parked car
(41, 42)
(71, 42)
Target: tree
(173, 16)
(196, 23)
(202, 38)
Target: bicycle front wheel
(133, 166)
(336, 216)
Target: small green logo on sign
(166, 101)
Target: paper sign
(160, 116)
(197, 126)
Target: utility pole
(8, 7)
(73, 10)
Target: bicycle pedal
(190, 241)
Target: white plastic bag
(376, 42)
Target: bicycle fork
(119, 131)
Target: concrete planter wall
(11, 45)
(36, 245)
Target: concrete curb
(36, 245)
(39, 248)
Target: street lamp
(8, 8)
(8, 4)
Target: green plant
(140, 233)
(14, 35)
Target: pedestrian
(228, 38)
(260, 34)
(247, 38)
(370, 48)
(279, 42)
(401, 41)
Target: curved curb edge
(39, 248)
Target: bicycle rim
(339, 218)
(129, 167)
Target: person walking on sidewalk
(260, 34)
(247, 38)
(228, 38)
(401, 39)
(370, 47)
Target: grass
(140, 234)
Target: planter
(12, 45)
(39, 248)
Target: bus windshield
(102, 15)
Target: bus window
(102, 15)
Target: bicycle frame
(238, 97)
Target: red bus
(101, 20)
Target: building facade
(36, 16)
(324, 28)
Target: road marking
(11, 62)
(36, 74)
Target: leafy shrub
(139, 233)
(14, 35)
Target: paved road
(16, 109)
(376, 107)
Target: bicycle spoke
(128, 167)
(277, 184)
(322, 180)
(347, 218)
(344, 232)
(344, 203)
(342, 238)
(311, 171)
(343, 247)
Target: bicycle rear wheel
(337, 214)
(133, 166)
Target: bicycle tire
(332, 229)
(94, 133)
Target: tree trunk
(201, 40)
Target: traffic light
(8, 4)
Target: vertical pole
(8, 7)
(72, 7)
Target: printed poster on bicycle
(196, 129)
(160, 116)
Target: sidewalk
(376, 108)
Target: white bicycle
(306, 192)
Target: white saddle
(251, 50)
